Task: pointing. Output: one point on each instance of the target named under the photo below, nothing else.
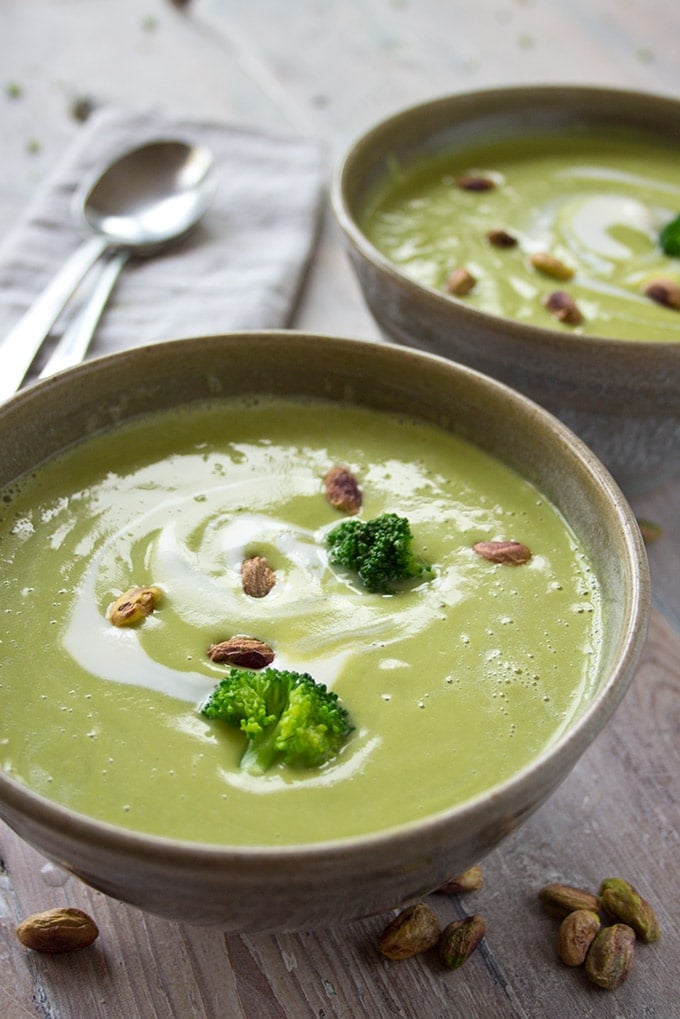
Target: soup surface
(596, 204)
(452, 685)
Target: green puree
(596, 203)
(451, 686)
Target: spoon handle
(22, 343)
(74, 343)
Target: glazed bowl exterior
(621, 397)
(311, 886)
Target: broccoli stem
(260, 752)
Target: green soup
(452, 685)
(595, 203)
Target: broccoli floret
(669, 238)
(380, 551)
(286, 716)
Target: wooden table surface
(329, 69)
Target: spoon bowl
(150, 196)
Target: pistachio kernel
(131, 607)
(664, 292)
(459, 940)
(65, 929)
(512, 553)
(623, 903)
(610, 956)
(475, 182)
(413, 931)
(549, 265)
(460, 281)
(563, 307)
(471, 880)
(257, 577)
(650, 531)
(559, 900)
(575, 936)
(501, 239)
(245, 652)
(342, 490)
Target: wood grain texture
(330, 69)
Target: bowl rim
(530, 333)
(40, 810)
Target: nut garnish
(563, 307)
(471, 880)
(623, 903)
(575, 936)
(610, 956)
(413, 931)
(460, 281)
(247, 652)
(560, 900)
(600, 931)
(342, 490)
(501, 239)
(134, 605)
(473, 182)
(663, 291)
(459, 939)
(549, 265)
(649, 530)
(513, 553)
(57, 930)
(257, 576)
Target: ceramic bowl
(621, 397)
(303, 887)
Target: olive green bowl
(621, 397)
(310, 886)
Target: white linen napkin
(241, 267)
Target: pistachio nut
(471, 880)
(475, 182)
(563, 307)
(610, 956)
(459, 939)
(623, 903)
(57, 930)
(501, 239)
(257, 577)
(551, 266)
(134, 605)
(512, 553)
(412, 931)
(650, 531)
(246, 652)
(559, 900)
(664, 292)
(342, 490)
(575, 936)
(460, 281)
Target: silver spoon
(145, 199)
